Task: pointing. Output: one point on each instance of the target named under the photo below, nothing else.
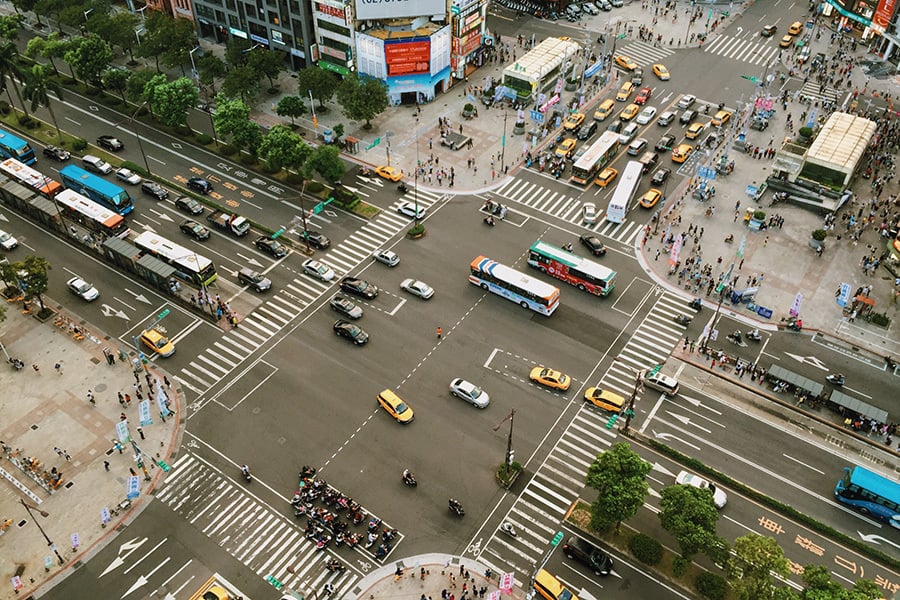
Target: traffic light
(612, 421)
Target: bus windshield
(870, 493)
(583, 273)
(191, 267)
(597, 156)
(525, 291)
(624, 194)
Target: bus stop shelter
(863, 408)
(804, 383)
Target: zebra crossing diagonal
(250, 531)
(748, 51)
(644, 53)
(817, 93)
(285, 304)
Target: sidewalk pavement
(425, 576)
(47, 416)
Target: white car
(7, 241)
(127, 176)
(469, 392)
(719, 497)
(317, 269)
(387, 257)
(417, 288)
(408, 208)
(82, 289)
(686, 101)
(589, 212)
(646, 115)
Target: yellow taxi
(681, 152)
(661, 71)
(389, 173)
(605, 399)
(786, 41)
(795, 28)
(157, 342)
(573, 121)
(395, 406)
(566, 147)
(630, 112)
(604, 110)
(624, 91)
(650, 198)
(720, 118)
(550, 378)
(694, 131)
(606, 176)
(625, 62)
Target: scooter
(335, 565)
(754, 335)
(729, 239)
(245, 471)
(489, 220)
(17, 364)
(736, 338)
(696, 304)
(409, 479)
(507, 528)
(836, 379)
(402, 187)
(456, 508)
(683, 320)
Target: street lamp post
(140, 143)
(194, 71)
(503, 140)
(44, 514)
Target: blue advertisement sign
(133, 487)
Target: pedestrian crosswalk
(286, 303)
(560, 479)
(745, 50)
(645, 53)
(567, 208)
(818, 93)
(265, 540)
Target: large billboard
(407, 57)
(391, 9)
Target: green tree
(28, 6)
(241, 82)
(290, 106)
(89, 57)
(158, 28)
(34, 277)
(51, 47)
(236, 51)
(137, 84)
(10, 71)
(182, 39)
(282, 148)
(147, 95)
(619, 476)
(38, 85)
(820, 586)
(688, 513)
(211, 67)
(118, 29)
(10, 26)
(232, 120)
(172, 100)
(323, 84)
(52, 9)
(362, 99)
(754, 560)
(326, 161)
(269, 63)
(116, 80)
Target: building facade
(875, 21)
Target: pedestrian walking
(118, 445)
(90, 395)
(36, 368)
(166, 381)
(58, 367)
(121, 399)
(440, 332)
(66, 454)
(58, 450)
(106, 465)
(140, 431)
(127, 400)
(132, 471)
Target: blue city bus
(12, 146)
(97, 189)
(870, 494)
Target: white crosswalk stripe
(565, 208)
(558, 481)
(813, 90)
(256, 534)
(748, 51)
(644, 53)
(285, 304)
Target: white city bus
(624, 194)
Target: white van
(661, 383)
(96, 164)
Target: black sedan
(57, 153)
(665, 143)
(194, 229)
(270, 246)
(316, 239)
(108, 142)
(593, 243)
(352, 332)
(660, 176)
(199, 185)
(151, 188)
(188, 205)
(359, 287)
(346, 307)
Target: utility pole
(44, 514)
(509, 451)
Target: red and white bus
(583, 273)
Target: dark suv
(588, 555)
(151, 188)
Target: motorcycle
(370, 541)
(489, 220)
(17, 364)
(836, 379)
(683, 320)
(569, 247)
(335, 565)
(736, 338)
(795, 324)
(381, 552)
(365, 172)
(696, 304)
(388, 535)
(507, 528)
(754, 335)
(307, 472)
(456, 508)
(374, 524)
(245, 471)
(352, 540)
(402, 187)
(729, 239)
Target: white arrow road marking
(140, 297)
(109, 311)
(809, 360)
(118, 561)
(163, 216)
(876, 539)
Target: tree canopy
(89, 56)
(362, 98)
(688, 513)
(282, 148)
(619, 476)
(323, 84)
(750, 570)
(171, 100)
(232, 120)
(326, 161)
